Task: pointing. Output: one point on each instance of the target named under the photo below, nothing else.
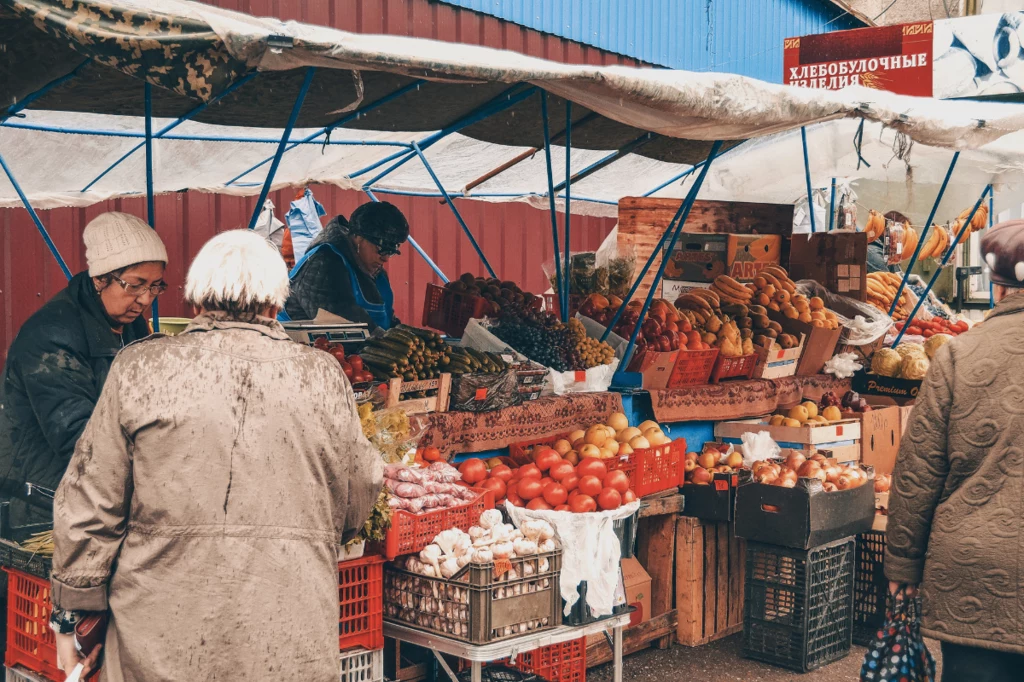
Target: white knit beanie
(116, 240)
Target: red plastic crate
(450, 311)
(30, 641)
(693, 368)
(741, 367)
(361, 598)
(652, 470)
(565, 662)
(409, 533)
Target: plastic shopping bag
(304, 221)
(898, 652)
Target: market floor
(723, 660)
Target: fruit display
(543, 338)
(907, 361)
(715, 458)
(418, 489)
(882, 287)
(590, 273)
(407, 353)
(795, 465)
(850, 402)
(666, 328)
(939, 239)
(591, 352)
(935, 327)
(774, 290)
(807, 413)
(722, 322)
(910, 240)
(500, 295)
(875, 226)
(351, 365)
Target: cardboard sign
(879, 436)
(699, 258)
(837, 260)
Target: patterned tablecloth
(741, 399)
(457, 432)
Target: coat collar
(1014, 303)
(102, 340)
(222, 320)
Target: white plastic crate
(360, 665)
(19, 674)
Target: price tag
(721, 485)
(481, 394)
(779, 356)
(581, 376)
(839, 430)
(501, 567)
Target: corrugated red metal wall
(515, 237)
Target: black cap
(1002, 246)
(381, 224)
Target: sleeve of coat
(90, 509)
(920, 474)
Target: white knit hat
(116, 240)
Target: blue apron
(380, 313)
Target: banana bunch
(731, 291)
(939, 239)
(702, 307)
(882, 288)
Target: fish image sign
(893, 58)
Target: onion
(845, 481)
(882, 484)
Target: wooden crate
(642, 221)
(710, 565)
(438, 403)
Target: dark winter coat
(324, 282)
(956, 510)
(55, 371)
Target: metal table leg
(618, 654)
(477, 671)
(450, 672)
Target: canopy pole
(674, 178)
(568, 212)
(500, 103)
(560, 284)
(35, 219)
(832, 207)
(629, 148)
(938, 270)
(17, 107)
(807, 177)
(296, 108)
(991, 222)
(150, 199)
(451, 205)
(405, 154)
(924, 233)
(348, 118)
(416, 246)
(681, 216)
(171, 126)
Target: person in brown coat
(956, 510)
(208, 496)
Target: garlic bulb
(524, 547)
(532, 529)
(450, 567)
(482, 556)
(502, 550)
(490, 518)
(501, 533)
(463, 559)
(462, 546)
(476, 532)
(446, 540)
(430, 554)
(547, 546)
(547, 531)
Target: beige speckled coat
(205, 502)
(956, 510)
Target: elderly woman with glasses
(59, 361)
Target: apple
(689, 465)
(701, 476)
(708, 460)
(735, 460)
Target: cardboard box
(775, 364)
(804, 516)
(894, 391)
(638, 590)
(699, 258)
(879, 437)
(836, 260)
(655, 367)
(841, 438)
(819, 346)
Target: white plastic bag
(590, 552)
(268, 226)
(757, 447)
(594, 380)
(862, 322)
(843, 365)
(802, 217)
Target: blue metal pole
(560, 284)
(628, 148)
(451, 205)
(938, 271)
(675, 178)
(832, 207)
(924, 233)
(171, 126)
(35, 218)
(150, 199)
(691, 197)
(568, 212)
(296, 108)
(807, 176)
(991, 221)
(348, 118)
(417, 247)
(14, 109)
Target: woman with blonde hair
(208, 496)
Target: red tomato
(545, 482)
(529, 488)
(571, 483)
(609, 499)
(529, 471)
(495, 484)
(562, 470)
(928, 333)
(628, 496)
(356, 362)
(546, 458)
(514, 499)
(501, 471)
(432, 454)
(581, 504)
(555, 494)
(347, 369)
(563, 507)
(590, 485)
(537, 504)
(473, 470)
(617, 480)
(591, 466)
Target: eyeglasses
(138, 290)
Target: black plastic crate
(625, 530)
(870, 588)
(581, 613)
(798, 608)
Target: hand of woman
(68, 657)
(909, 590)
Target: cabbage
(886, 362)
(905, 349)
(915, 366)
(932, 345)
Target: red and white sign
(894, 58)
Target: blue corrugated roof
(733, 36)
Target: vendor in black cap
(343, 270)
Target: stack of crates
(870, 587)
(361, 619)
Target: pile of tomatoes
(351, 365)
(936, 325)
(553, 483)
